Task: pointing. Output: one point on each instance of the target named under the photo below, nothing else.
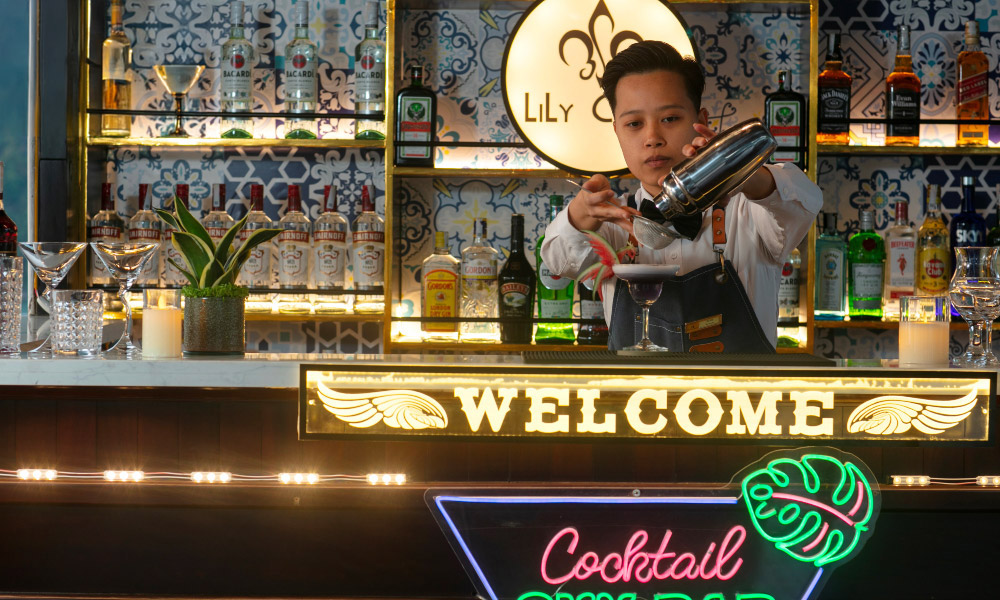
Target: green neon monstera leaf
(816, 509)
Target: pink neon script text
(643, 566)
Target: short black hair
(653, 55)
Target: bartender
(727, 304)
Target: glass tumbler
(11, 280)
(77, 318)
(923, 331)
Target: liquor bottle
(330, 233)
(479, 288)
(866, 267)
(831, 272)
(146, 227)
(257, 271)
(217, 222)
(968, 228)
(901, 248)
(416, 117)
(788, 289)
(8, 230)
(555, 293)
(294, 249)
(300, 77)
(368, 257)
(902, 97)
(516, 289)
(785, 113)
(236, 77)
(972, 91)
(170, 276)
(834, 97)
(933, 251)
(591, 307)
(369, 78)
(993, 234)
(105, 226)
(440, 292)
(116, 76)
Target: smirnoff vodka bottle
(236, 80)
(368, 254)
(369, 78)
(293, 255)
(479, 288)
(440, 292)
(256, 271)
(300, 77)
(217, 222)
(145, 227)
(105, 226)
(329, 245)
(901, 247)
(170, 277)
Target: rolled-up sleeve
(782, 219)
(566, 250)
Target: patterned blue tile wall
(461, 49)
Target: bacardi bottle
(369, 78)
(170, 276)
(972, 91)
(440, 276)
(236, 77)
(479, 288)
(866, 268)
(217, 222)
(785, 115)
(933, 251)
(368, 257)
(788, 289)
(294, 249)
(8, 230)
(831, 272)
(902, 96)
(300, 77)
(105, 226)
(901, 245)
(116, 76)
(968, 228)
(516, 289)
(330, 233)
(416, 116)
(257, 271)
(146, 227)
(591, 307)
(555, 294)
(834, 88)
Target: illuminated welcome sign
(552, 65)
(460, 402)
(777, 533)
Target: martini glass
(645, 282)
(51, 261)
(125, 261)
(178, 79)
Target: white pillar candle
(162, 324)
(923, 344)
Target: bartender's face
(654, 119)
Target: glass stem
(126, 338)
(645, 324)
(976, 338)
(987, 336)
(178, 106)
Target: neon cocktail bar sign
(459, 402)
(776, 533)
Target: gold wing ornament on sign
(887, 415)
(400, 409)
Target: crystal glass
(125, 261)
(11, 281)
(51, 261)
(923, 331)
(645, 282)
(975, 294)
(77, 319)
(178, 79)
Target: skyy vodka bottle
(256, 271)
(479, 288)
(236, 79)
(369, 78)
(105, 226)
(293, 255)
(300, 77)
(368, 254)
(329, 246)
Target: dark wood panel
(240, 438)
(158, 436)
(36, 433)
(76, 441)
(199, 445)
(117, 435)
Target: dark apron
(694, 313)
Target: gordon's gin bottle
(329, 245)
(105, 226)
(256, 271)
(368, 254)
(293, 255)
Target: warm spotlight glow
(298, 478)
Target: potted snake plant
(214, 321)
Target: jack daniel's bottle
(834, 97)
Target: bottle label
(143, 235)
(834, 103)
(591, 309)
(972, 88)
(300, 79)
(830, 292)
(237, 78)
(294, 258)
(216, 233)
(514, 297)
(970, 236)
(369, 77)
(257, 269)
(785, 120)
(932, 270)
(479, 268)
(441, 298)
(114, 63)
(788, 290)
(552, 281)
(904, 105)
(900, 263)
(555, 309)
(330, 253)
(369, 250)
(866, 280)
(415, 127)
(99, 274)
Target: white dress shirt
(760, 234)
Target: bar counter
(343, 537)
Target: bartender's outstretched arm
(595, 204)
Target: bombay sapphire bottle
(831, 272)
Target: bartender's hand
(759, 186)
(595, 204)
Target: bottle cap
(830, 222)
(556, 200)
(902, 210)
(833, 46)
(256, 197)
(416, 72)
(482, 227)
(329, 198)
(867, 218)
(144, 195)
(181, 192)
(219, 196)
(294, 199)
(106, 202)
(439, 241)
(371, 13)
(903, 39)
(971, 32)
(968, 180)
(302, 13)
(367, 205)
(784, 78)
(236, 13)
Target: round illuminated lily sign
(552, 66)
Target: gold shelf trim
(495, 348)
(278, 317)
(905, 150)
(233, 143)
(473, 172)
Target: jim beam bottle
(368, 257)
(257, 271)
(834, 89)
(972, 91)
(516, 289)
(933, 251)
(440, 282)
(116, 76)
(236, 77)
(146, 227)
(902, 97)
(300, 77)
(171, 277)
(294, 249)
(105, 226)
(330, 257)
